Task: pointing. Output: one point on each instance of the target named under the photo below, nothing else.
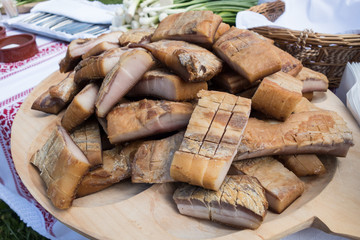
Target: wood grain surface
(330, 202)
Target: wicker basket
(325, 53)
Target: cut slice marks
(240, 202)
(211, 139)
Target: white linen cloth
(323, 16)
(80, 10)
(349, 90)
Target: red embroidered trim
(7, 115)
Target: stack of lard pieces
(160, 123)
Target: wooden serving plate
(331, 202)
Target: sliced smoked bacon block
(315, 131)
(211, 139)
(191, 62)
(87, 138)
(134, 120)
(78, 47)
(303, 164)
(163, 84)
(277, 95)
(122, 77)
(153, 159)
(96, 67)
(193, 26)
(62, 165)
(282, 186)
(116, 167)
(248, 53)
(240, 202)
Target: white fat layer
(109, 63)
(73, 148)
(222, 173)
(159, 87)
(88, 97)
(173, 121)
(194, 211)
(131, 135)
(130, 72)
(235, 218)
(314, 85)
(274, 202)
(338, 150)
(166, 123)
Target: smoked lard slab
(282, 186)
(247, 53)
(123, 76)
(163, 84)
(211, 139)
(57, 96)
(289, 64)
(153, 159)
(134, 120)
(47, 103)
(62, 165)
(81, 107)
(140, 35)
(277, 95)
(223, 27)
(87, 138)
(116, 167)
(191, 62)
(313, 81)
(240, 202)
(314, 131)
(78, 47)
(233, 82)
(95, 68)
(193, 26)
(65, 90)
(303, 164)
(100, 48)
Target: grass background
(12, 228)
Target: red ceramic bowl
(17, 47)
(2, 31)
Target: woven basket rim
(279, 33)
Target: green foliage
(12, 228)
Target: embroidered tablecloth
(16, 82)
